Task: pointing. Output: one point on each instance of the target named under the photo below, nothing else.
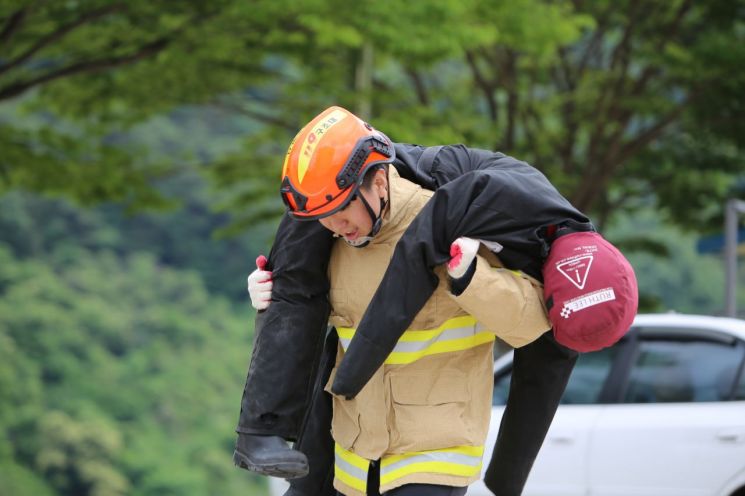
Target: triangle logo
(576, 270)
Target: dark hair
(367, 181)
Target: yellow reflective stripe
(416, 336)
(351, 469)
(350, 481)
(456, 334)
(419, 335)
(351, 458)
(403, 357)
(429, 334)
(313, 137)
(287, 157)
(436, 467)
(345, 332)
(475, 451)
(463, 461)
(516, 273)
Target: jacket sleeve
(454, 210)
(508, 202)
(432, 167)
(506, 302)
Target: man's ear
(381, 182)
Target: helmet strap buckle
(377, 222)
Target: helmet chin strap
(377, 223)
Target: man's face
(353, 221)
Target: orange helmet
(327, 161)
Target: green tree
(42, 43)
(184, 238)
(646, 102)
(119, 376)
(614, 100)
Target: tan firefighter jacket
(425, 413)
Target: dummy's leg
(315, 437)
(426, 490)
(287, 344)
(540, 373)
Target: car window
(740, 390)
(501, 387)
(589, 375)
(667, 371)
(585, 383)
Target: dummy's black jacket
(479, 194)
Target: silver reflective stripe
(407, 346)
(351, 469)
(447, 335)
(459, 458)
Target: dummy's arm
(508, 303)
(507, 204)
(453, 211)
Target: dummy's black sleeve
(507, 203)
(293, 325)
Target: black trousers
(287, 367)
(315, 433)
(289, 334)
(426, 490)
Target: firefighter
(277, 391)
(419, 424)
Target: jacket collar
(400, 193)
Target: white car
(661, 413)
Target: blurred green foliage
(184, 237)
(672, 276)
(117, 376)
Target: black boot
(269, 455)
